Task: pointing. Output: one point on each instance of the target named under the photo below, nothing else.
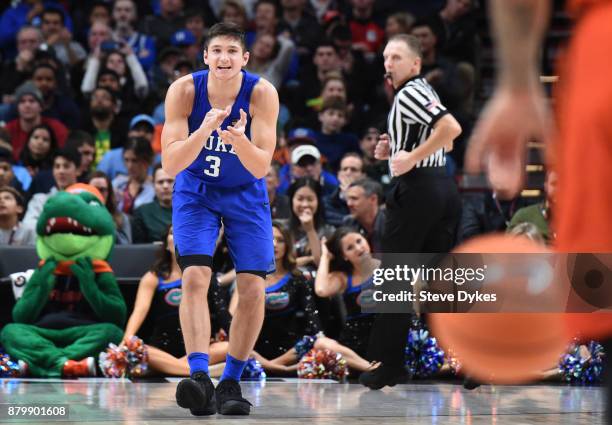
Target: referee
(423, 205)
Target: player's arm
(256, 154)
(179, 148)
(519, 26)
(518, 111)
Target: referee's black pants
(423, 212)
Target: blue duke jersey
(218, 164)
(216, 188)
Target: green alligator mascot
(71, 307)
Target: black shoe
(383, 375)
(470, 384)
(229, 399)
(197, 394)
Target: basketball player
(517, 113)
(218, 141)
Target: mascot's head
(75, 223)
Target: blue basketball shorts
(198, 209)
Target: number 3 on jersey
(215, 163)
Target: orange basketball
(504, 348)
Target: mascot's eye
(96, 203)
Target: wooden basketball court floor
(293, 401)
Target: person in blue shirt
(218, 140)
(20, 14)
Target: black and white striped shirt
(415, 110)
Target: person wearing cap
(305, 162)
(112, 163)
(29, 114)
(12, 231)
(162, 74)
(187, 42)
(125, 16)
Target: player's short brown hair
(226, 29)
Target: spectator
(219, 8)
(134, 84)
(188, 44)
(135, 189)
(457, 25)
(484, 213)
(15, 176)
(375, 169)
(398, 23)
(311, 79)
(29, 114)
(151, 220)
(360, 72)
(169, 21)
(163, 73)
(18, 15)
(279, 204)
(351, 169)
(364, 198)
(233, 11)
(182, 68)
(368, 36)
(100, 12)
(17, 71)
(107, 128)
(84, 143)
(454, 84)
(125, 17)
(66, 163)
(267, 17)
(306, 224)
(331, 141)
(112, 162)
(98, 34)
(303, 27)
(539, 214)
(7, 171)
(37, 154)
(55, 104)
(123, 229)
(305, 162)
(324, 8)
(270, 58)
(12, 231)
(56, 35)
(196, 24)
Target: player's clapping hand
(383, 149)
(214, 118)
(234, 133)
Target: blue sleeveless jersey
(218, 164)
